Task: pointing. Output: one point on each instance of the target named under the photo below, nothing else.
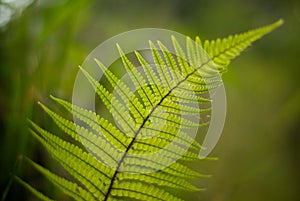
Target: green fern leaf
(120, 161)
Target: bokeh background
(42, 42)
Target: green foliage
(190, 75)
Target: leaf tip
(280, 22)
(119, 49)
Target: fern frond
(77, 162)
(138, 80)
(125, 93)
(121, 114)
(70, 188)
(96, 123)
(141, 156)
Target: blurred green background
(42, 43)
